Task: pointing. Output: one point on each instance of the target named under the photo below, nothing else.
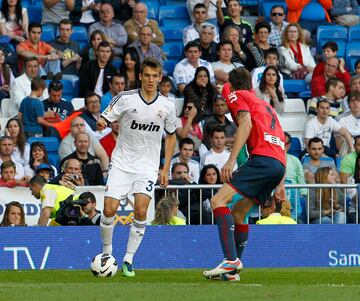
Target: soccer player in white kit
(143, 115)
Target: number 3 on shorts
(150, 187)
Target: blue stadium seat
(354, 33)
(116, 62)
(313, 12)
(169, 66)
(171, 34)
(352, 54)
(80, 35)
(295, 148)
(174, 16)
(68, 90)
(295, 86)
(35, 13)
(338, 162)
(173, 50)
(51, 143)
(153, 9)
(336, 33)
(48, 33)
(249, 2)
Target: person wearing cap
(191, 32)
(45, 170)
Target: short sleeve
(39, 109)
(335, 125)
(309, 131)
(170, 121)
(48, 198)
(113, 111)
(236, 102)
(347, 165)
(179, 74)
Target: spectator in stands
(334, 92)
(165, 88)
(224, 65)
(145, 47)
(6, 77)
(294, 175)
(218, 118)
(53, 11)
(70, 175)
(92, 110)
(6, 154)
(277, 25)
(357, 67)
(95, 75)
(8, 173)
(323, 126)
(89, 52)
(108, 142)
(85, 12)
(354, 87)
(48, 57)
(188, 124)
(326, 203)
(90, 165)
(345, 12)
(351, 119)
(206, 42)
(123, 9)
(186, 147)
(331, 68)
(115, 32)
(67, 145)
(10, 56)
(21, 153)
(260, 45)
(211, 9)
(55, 104)
(14, 215)
(14, 20)
(201, 91)
(70, 49)
(271, 57)
(353, 210)
(90, 216)
(21, 87)
(180, 176)
(166, 212)
(45, 170)
(277, 212)
(140, 19)
(241, 54)
(116, 85)
(270, 91)
(316, 150)
(299, 62)
(184, 71)
(39, 156)
(348, 163)
(218, 154)
(191, 32)
(234, 18)
(130, 68)
(31, 112)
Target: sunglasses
(55, 86)
(277, 14)
(189, 107)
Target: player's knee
(109, 211)
(140, 214)
(238, 217)
(216, 202)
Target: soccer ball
(104, 265)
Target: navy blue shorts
(257, 178)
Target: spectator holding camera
(50, 196)
(90, 216)
(71, 175)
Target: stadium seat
(173, 50)
(293, 124)
(5, 103)
(338, 162)
(80, 35)
(174, 16)
(3, 122)
(153, 9)
(51, 143)
(336, 33)
(249, 2)
(294, 106)
(172, 34)
(295, 86)
(313, 12)
(48, 33)
(116, 62)
(169, 66)
(68, 89)
(352, 54)
(354, 33)
(35, 13)
(295, 148)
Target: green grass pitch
(303, 284)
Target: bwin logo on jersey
(145, 127)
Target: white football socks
(106, 232)
(136, 234)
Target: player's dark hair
(192, 44)
(37, 180)
(151, 63)
(186, 140)
(315, 140)
(288, 135)
(260, 25)
(175, 165)
(331, 45)
(240, 79)
(332, 82)
(204, 171)
(38, 83)
(218, 129)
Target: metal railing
(199, 189)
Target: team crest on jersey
(160, 114)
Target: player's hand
(227, 170)
(164, 178)
(101, 124)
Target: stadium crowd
(58, 75)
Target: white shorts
(121, 184)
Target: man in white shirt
(6, 150)
(186, 146)
(217, 155)
(323, 126)
(192, 31)
(184, 71)
(21, 86)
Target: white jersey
(142, 125)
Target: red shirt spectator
(109, 141)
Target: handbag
(300, 73)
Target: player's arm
(242, 134)
(101, 124)
(44, 216)
(170, 142)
